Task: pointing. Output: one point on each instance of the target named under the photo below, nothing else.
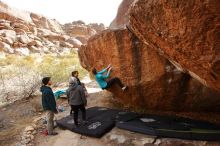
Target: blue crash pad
(60, 92)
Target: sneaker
(44, 132)
(124, 88)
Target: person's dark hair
(74, 72)
(45, 80)
(94, 71)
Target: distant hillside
(23, 33)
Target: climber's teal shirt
(100, 78)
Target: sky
(89, 11)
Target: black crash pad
(100, 121)
(94, 128)
(174, 127)
(124, 116)
(101, 113)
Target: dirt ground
(15, 117)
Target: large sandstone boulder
(75, 42)
(44, 32)
(10, 34)
(24, 39)
(22, 51)
(22, 26)
(98, 27)
(153, 82)
(43, 22)
(6, 16)
(20, 31)
(7, 40)
(79, 30)
(122, 17)
(186, 32)
(83, 40)
(18, 44)
(56, 37)
(66, 44)
(6, 48)
(34, 49)
(55, 26)
(4, 24)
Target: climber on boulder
(101, 78)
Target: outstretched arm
(109, 66)
(105, 70)
(108, 74)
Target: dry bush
(60, 67)
(20, 77)
(23, 83)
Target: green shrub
(60, 68)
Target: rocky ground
(23, 123)
(15, 117)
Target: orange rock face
(185, 32)
(153, 82)
(131, 63)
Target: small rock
(147, 140)
(32, 137)
(29, 128)
(28, 132)
(28, 140)
(4, 109)
(23, 138)
(34, 126)
(27, 136)
(158, 141)
(34, 132)
(118, 138)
